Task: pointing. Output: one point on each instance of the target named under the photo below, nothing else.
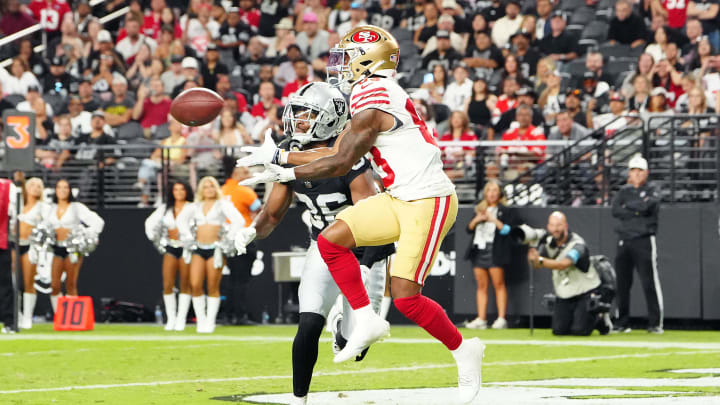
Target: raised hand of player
(267, 153)
(243, 238)
(272, 173)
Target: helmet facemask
(301, 121)
(339, 73)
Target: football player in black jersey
(313, 119)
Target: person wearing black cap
(445, 54)
(234, 33)
(527, 97)
(573, 105)
(212, 67)
(59, 82)
(508, 25)
(559, 45)
(482, 56)
(527, 57)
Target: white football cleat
(469, 357)
(369, 328)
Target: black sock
(305, 351)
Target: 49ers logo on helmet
(365, 37)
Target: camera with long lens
(527, 235)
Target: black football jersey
(325, 198)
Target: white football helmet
(316, 112)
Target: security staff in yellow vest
(574, 279)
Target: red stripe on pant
(427, 240)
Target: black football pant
(240, 271)
(571, 316)
(639, 254)
(6, 288)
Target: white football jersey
(406, 157)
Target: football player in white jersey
(417, 209)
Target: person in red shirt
(524, 131)
(301, 72)
(50, 13)
(249, 13)
(266, 91)
(457, 158)
(152, 106)
(674, 10)
(153, 20)
(15, 19)
(507, 100)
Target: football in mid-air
(196, 106)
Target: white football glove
(243, 238)
(266, 153)
(271, 174)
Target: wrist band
(283, 156)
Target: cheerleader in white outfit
(32, 212)
(64, 215)
(162, 229)
(209, 214)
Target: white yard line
(609, 342)
(338, 373)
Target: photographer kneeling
(574, 279)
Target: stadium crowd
(496, 70)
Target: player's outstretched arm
(364, 131)
(305, 157)
(274, 210)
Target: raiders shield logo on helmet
(339, 106)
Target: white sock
(53, 302)
(29, 305)
(458, 353)
(170, 307)
(385, 306)
(183, 308)
(198, 304)
(213, 306)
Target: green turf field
(118, 364)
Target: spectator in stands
(358, 17)
(212, 68)
(644, 67)
(478, 24)
(339, 15)
(272, 121)
(234, 34)
(640, 93)
(573, 105)
(565, 129)
(68, 44)
(479, 106)
(507, 100)
(191, 72)
(301, 73)
(504, 27)
(50, 14)
(701, 59)
(526, 55)
(657, 106)
(444, 54)
(19, 78)
(4, 104)
(414, 17)
(86, 142)
(153, 21)
(460, 90)
(543, 8)
(693, 31)
(35, 61)
(595, 89)
(148, 170)
(284, 37)
(43, 123)
(252, 60)
(558, 44)
(672, 54)
(80, 119)
(525, 131)
(163, 50)
(140, 69)
(490, 250)
(385, 15)
(201, 30)
(429, 28)
(202, 158)
(528, 26)
(59, 82)
(249, 13)
(545, 67)
(457, 159)
(436, 87)
(129, 46)
(657, 48)
(482, 56)
(104, 47)
(86, 96)
(62, 140)
(33, 94)
(611, 121)
(312, 40)
(173, 76)
(667, 77)
(118, 110)
(224, 88)
(707, 12)
(594, 63)
(549, 101)
(285, 71)
(511, 68)
(524, 96)
(16, 17)
(423, 109)
(271, 13)
(626, 28)
(266, 92)
(457, 41)
(674, 12)
(152, 107)
(462, 22)
(231, 133)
